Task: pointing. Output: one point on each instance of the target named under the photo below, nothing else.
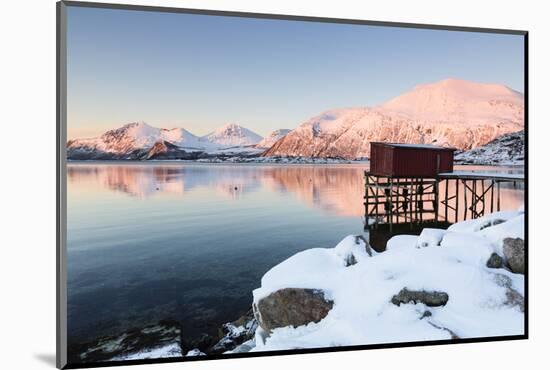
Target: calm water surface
(189, 242)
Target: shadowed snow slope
(482, 301)
(451, 112)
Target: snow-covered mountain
(232, 135)
(508, 149)
(272, 138)
(451, 112)
(138, 140)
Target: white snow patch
(170, 350)
(195, 352)
(430, 237)
(402, 241)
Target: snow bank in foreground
(479, 303)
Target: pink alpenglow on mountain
(133, 140)
(272, 138)
(451, 112)
(134, 136)
(232, 135)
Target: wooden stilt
(376, 200)
(446, 200)
(396, 192)
(465, 200)
(473, 205)
(417, 216)
(492, 194)
(498, 196)
(391, 204)
(456, 203)
(411, 203)
(367, 184)
(482, 213)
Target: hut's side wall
(381, 160)
(447, 161)
(415, 162)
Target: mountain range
(138, 140)
(451, 112)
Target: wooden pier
(447, 197)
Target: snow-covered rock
(167, 351)
(438, 292)
(451, 112)
(155, 341)
(236, 334)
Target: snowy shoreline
(462, 282)
(396, 295)
(455, 283)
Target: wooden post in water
(391, 203)
(421, 196)
(367, 197)
(456, 202)
(492, 194)
(482, 198)
(376, 200)
(416, 215)
(498, 196)
(472, 208)
(465, 200)
(411, 202)
(446, 200)
(396, 192)
(436, 197)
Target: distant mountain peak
(457, 101)
(232, 134)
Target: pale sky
(200, 72)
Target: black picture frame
(61, 186)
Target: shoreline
(298, 163)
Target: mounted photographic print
(235, 184)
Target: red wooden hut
(409, 160)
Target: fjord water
(189, 242)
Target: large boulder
(291, 307)
(429, 298)
(514, 251)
